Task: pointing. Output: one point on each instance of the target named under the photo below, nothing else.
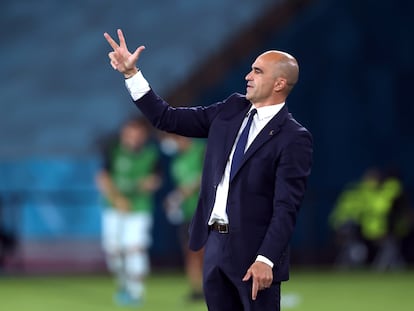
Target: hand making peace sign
(121, 58)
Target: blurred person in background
(128, 181)
(371, 218)
(346, 219)
(388, 243)
(186, 166)
(253, 183)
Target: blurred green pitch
(310, 290)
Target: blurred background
(61, 102)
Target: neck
(267, 103)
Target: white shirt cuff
(137, 86)
(265, 260)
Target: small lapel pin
(271, 132)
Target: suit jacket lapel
(229, 136)
(268, 132)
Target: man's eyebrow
(257, 69)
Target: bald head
(273, 75)
(283, 65)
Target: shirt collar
(267, 112)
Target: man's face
(260, 81)
(133, 137)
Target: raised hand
(121, 58)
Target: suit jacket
(265, 193)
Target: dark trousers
(224, 289)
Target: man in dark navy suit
(257, 161)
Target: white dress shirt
(138, 87)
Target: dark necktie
(241, 145)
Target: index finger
(111, 41)
(255, 289)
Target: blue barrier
(50, 198)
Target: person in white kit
(127, 182)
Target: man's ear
(280, 84)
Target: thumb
(137, 52)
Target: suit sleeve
(185, 121)
(290, 186)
